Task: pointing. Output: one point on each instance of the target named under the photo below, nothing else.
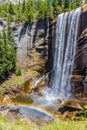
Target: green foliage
(85, 107)
(23, 6)
(10, 8)
(18, 71)
(19, 125)
(84, 114)
(40, 9)
(57, 9)
(7, 52)
(30, 10)
(59, 125)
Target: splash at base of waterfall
(46, 99)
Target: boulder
(70, 105)
(8, 116)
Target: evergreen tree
(78, 3)
(11, 8)
(48, 13)
(2, 58)
(23, 6)
(40, 9)
(7, 62)
(11, 43)
(29, 12)
(60, 2)
(56, 6)
(19, 14)
(66, 4)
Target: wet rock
(70, 105)
(60, 101)
(41, 84)
(38, 93)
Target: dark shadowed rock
(80, 67)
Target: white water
(65, 48)
(66, 35)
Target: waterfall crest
(65, 47)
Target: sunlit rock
(70, 105)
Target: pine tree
(48, 9)
(60, 2)
(12, 43)
(23, 6)
(40, 9)
(11, 8)
(66, 4)
(29, 12)
(5, 55)
(57, 8)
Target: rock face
(81, 54)
(79, 78)
(51, 43)
(32, 42)
(80, 68)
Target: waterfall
(65, 47)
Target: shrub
(18, 71)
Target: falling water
(65, 47)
